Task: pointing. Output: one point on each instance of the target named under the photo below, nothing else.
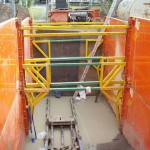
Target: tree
(26, 3)
(104, 4)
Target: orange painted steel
(135, 120)
(28, 47)
(28, 50)
(115, 45)
(136, 99)
(58, 16)
(31, 39)
(62, 15)
(13, 133)
(12, 129)
(26, 53)
(95, 14)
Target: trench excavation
(51, 69)
(74, 85)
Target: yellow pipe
(41, 68)
(35, 65)
(86, 48)
(46, 41)
(40, 50)
(30, 85)
(94, 67)
(89, 55)
(38, 75)
(33, 85)
(74, 27)
(102, 72)
(41, 96)
(48, 75)
(73, 34)
(33, 98)
(37, 60)
(109, 97)
(41, 41)
(117, 114)
(117, 82)
(112, 93)
(38, 96)
(34, 77)
(122, 58)
(113, 75)
(37, 68)
(119, 94)
(49, 49)
(91, 40)
(110, 73)
(67, 23)
(29, 97)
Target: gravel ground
(7, 13)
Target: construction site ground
(96, 122)
(6, 12)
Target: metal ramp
(62, 123)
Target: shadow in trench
(118, 143)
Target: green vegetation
(26, 3)
(38, 13)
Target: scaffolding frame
(108, 83)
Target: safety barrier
(43, 85)
(135, 122)
(13, 118)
